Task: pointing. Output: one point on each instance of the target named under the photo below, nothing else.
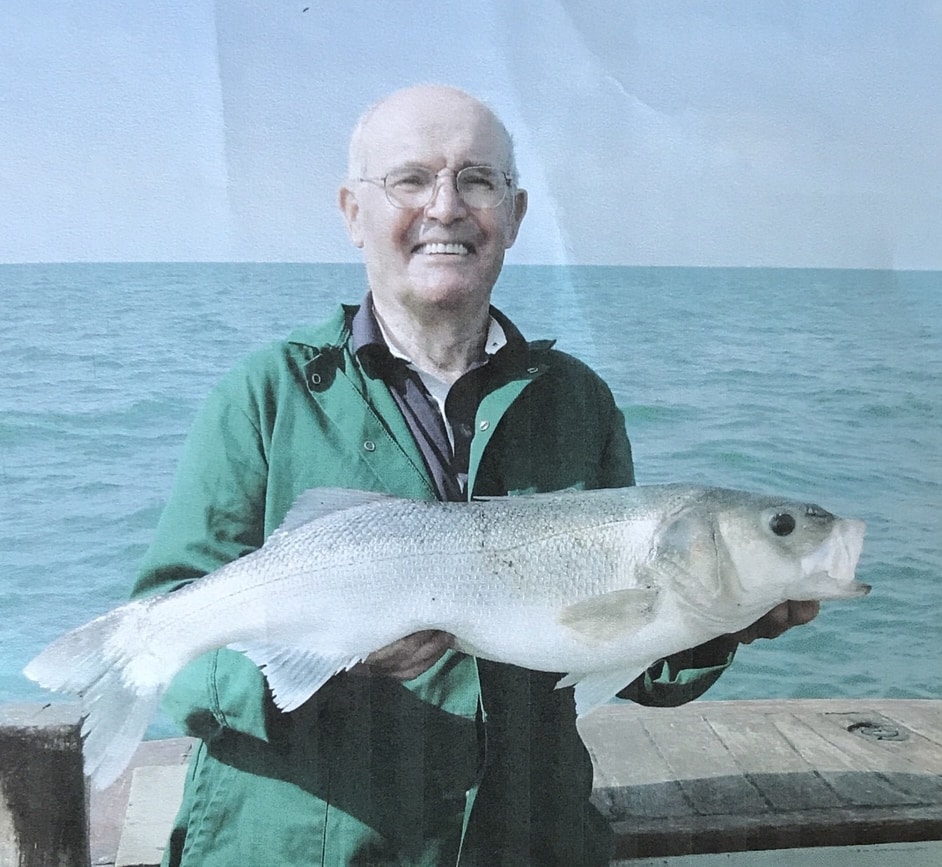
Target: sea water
(823, 385)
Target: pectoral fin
(610, 615)
(294, 675)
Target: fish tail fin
(101, 663)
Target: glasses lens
(414, 186)
(410, 187)
(481, 186)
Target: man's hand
(780, 619)
(408, 657)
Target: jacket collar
(337, 330)
(331, 334)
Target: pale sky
(794, 133)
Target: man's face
(445, 254)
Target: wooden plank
(865, 754)
(746, 832)
(893, 771)
(109, 807)
(630, 776)
(916, 749)
(703, 766)
(818, 751)
(662, 801)
(922, 717)
(925, 854)
(820, 783)
(757, 746)
(849, 768)
(689, 747)
(771, 764)
(621, 751)
(152, 805)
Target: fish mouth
(833, 563)
(443, 248)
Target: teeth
(451, 249)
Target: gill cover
(691, 550)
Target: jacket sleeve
(215, 514)
(683, 676)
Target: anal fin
(294, 674)
(598, 687)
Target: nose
(446, 204)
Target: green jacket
(371, 771)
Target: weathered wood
(768, 775)
(709, 777)
(745, 833)
(110, 807)
(755, 747)
(703, 767)
(836, 767)
(152, 804)
(922, 854)
(43, 798)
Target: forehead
(434, 129)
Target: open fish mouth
(831, 566)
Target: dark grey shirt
(447, 464)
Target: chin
(453, 295)
(447, 290)
(446, 287)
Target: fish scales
(596, 585)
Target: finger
(410, 656)
(746, 636)
(770, 625)
(800, 613)
(400, 649)
(422, 657)
(778, 620)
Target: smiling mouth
(439, 249)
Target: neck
(443, 343)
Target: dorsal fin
(320, 502)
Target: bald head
(432, 107)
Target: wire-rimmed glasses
(414, 186)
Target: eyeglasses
(414, 186)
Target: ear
(519, 206)
(350, 208)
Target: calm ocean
(822, 385)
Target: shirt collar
(367, 335)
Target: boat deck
(708, 777)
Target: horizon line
(300, 262)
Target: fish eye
(782, 524)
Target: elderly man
(421, 755)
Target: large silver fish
(596, 584)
